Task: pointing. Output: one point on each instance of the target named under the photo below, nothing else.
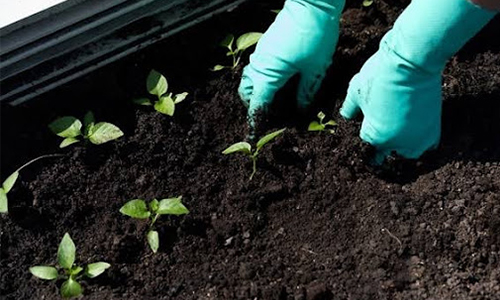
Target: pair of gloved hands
(398, 89)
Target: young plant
(246, 148)
(322, 125)
(367, 3)
(70, 128)
(138, 209)
(11, 180)
(72, 273)
(244, 42)
(157, 85)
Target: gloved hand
(301, 40)
(399, 87)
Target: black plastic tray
(76, 37)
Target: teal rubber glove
(302, 41)
(399, 88)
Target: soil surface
(316, 222)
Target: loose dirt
(316, 222)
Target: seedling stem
(243, 42)
(246, 148)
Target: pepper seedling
(66, 254)
(367, 3)
(70, 128)
(11, 180)
(138, 209)
(157, 85)
(246, 148)
(322, 125)
(243, 42)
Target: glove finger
(308, 87)
(259, 102)
(245, 89)
(380, 156)
(350, 108)
(408, 153)
(258, 87)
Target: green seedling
(243, 42)
(246, 148)
(68, 270)
(321, 125)
(138, 209)
(11, 180)
(70, 128)
(276, 11)
(157, 85)
(367, 3)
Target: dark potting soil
(316, 222)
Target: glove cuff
(429, 32)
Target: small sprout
(246, 148)
(138, 209)
(322, 125)
(11, 180)
(243, 42)
(276, 11)
(157, 85)
(70, 128)
(66, 255)
(367, 3)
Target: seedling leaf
(165, 106)
(321, 116)
(267, 138)
(239, 147)
(156, 83)
(76, 270)
(247, 40)
(143, 101)
(367, 3)
(315, 126)
(44, 272)
(71, 288)
(66, 127)
(4, 203)
(96, 269)
(136, 209)
(180, 97)
(228, 42)
(66, 252)
(172, 206)
(68, 141)
(153, 240)
(10, 181)
(88, 119)
(218, 68)
(104, 132)
(153, 206)
(331, 123)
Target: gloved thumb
(350, 108)
(258, 87)
(259, 100)
(245, 89)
